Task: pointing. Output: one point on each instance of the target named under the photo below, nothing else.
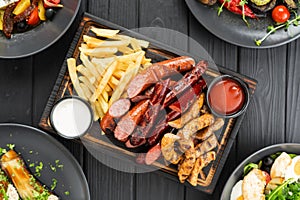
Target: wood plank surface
(264, 123)
(292, 125)
(16, 90)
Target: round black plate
(35, 146)
(231, 28)
(257, 156)
(42, 36)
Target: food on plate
(109, 61)
(7, 190)
(284, 13)
(28, 187)
(21, 15)
(162, 113)
(274, 177)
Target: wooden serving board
(100, 143)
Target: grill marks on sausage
(8, 21)
(25, 14)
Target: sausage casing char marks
(8, 20)
(158, 71)
(128, 123)
(154, 99)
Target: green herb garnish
(249, 167)
(272, 29)
(54, 183)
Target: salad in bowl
(272, 173)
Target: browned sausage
(128, 122)
(119, 108)
(181, 64)
(153, 154)
(158, 71)
(188, 80)
(8, 22)
(108, 124)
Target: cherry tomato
(34, 17)
(280, 14)
(268, 177)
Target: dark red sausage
(153, 154)
(147, 78)
(128, 122)
(180, 64)
(158, 71)
(158, 132)
(8, 22)
(188, 80)
(188, 98)
(119, 108)
(108, 124)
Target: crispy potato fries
(108, 61)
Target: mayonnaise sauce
(71, 117)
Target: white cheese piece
(4, 3)
(12, 193)
(53, 197)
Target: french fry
(104, 32)
(103, 104)
(96, 115)
(104, 81)
(71, 62)
(141, 43)
(125, 50)
(99, 52)
(85, 72)
(107, 67)
(105, 95)
(129, 74)
(99, 109)
(114, 81)
(119, 73)
(135, 45)
(89, 65)
(86, 82)
(86, 90)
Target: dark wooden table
(273, 115)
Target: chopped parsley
(54, 183)
(11, 146)
(38, 169)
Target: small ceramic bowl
(245, 91)
(71, 117)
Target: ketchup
(226, 97)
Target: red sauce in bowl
(226, 97)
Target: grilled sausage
(108, 124)
(8, 21)
(119, 108)
(128, 122)
(156, 72)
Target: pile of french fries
(109, 61)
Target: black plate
(42, 36)
(232, 28)
(47, 150)
(256, 157)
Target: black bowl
(256, 157)
(42, 36)
(244, 88)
